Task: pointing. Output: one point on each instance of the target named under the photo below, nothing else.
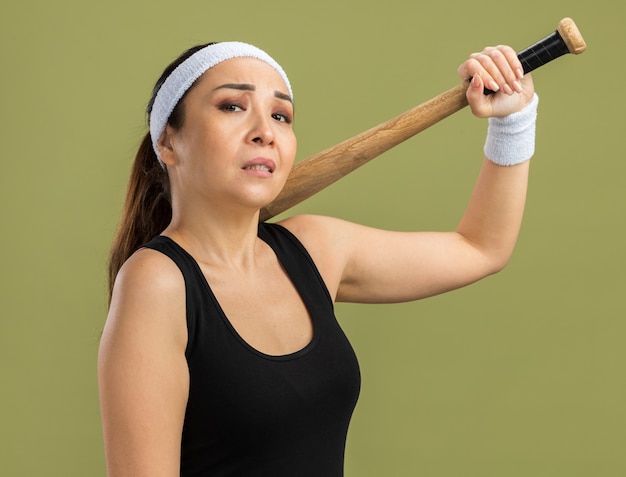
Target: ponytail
(147, 210)
(148, 206)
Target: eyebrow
(251, 87)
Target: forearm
(492, 220)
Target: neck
(216, 236)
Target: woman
(221, 354)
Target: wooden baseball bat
(317, 172)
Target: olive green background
(522, 374)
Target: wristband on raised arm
(511, 139)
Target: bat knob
(571, 36)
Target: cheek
(205, 145)
(291, 146)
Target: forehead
(244, 70)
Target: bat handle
(565, 39)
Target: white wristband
(511, 139)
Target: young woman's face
(237, 143)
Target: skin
(143, 375)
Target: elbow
(496, 262)
(490, 258)
(498, 267)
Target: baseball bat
(317, 172)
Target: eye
(229, 107)
(283, 118)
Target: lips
(260, 164)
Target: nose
(261, 131)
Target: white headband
(185, 74)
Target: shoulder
(149, 290)
(328, 233)
(327, 240)
(313, 228)
(149, 271)
(316, 232)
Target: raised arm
(362, 264)
(142, 372)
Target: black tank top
(251, 414)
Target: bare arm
(367, 265)
(362, 264)
(142, 372)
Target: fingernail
(475, 79)
(518, 86)
(507, 89)
(520, 73)
(493, 86)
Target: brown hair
(147, 209)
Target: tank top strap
(298, 264)
(196, 297)
(175, 252)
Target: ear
(165, 146)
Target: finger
(482, 64)
(479, 102)
(496, 64)
(514, 61)
(501, 68)
(509, 65)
